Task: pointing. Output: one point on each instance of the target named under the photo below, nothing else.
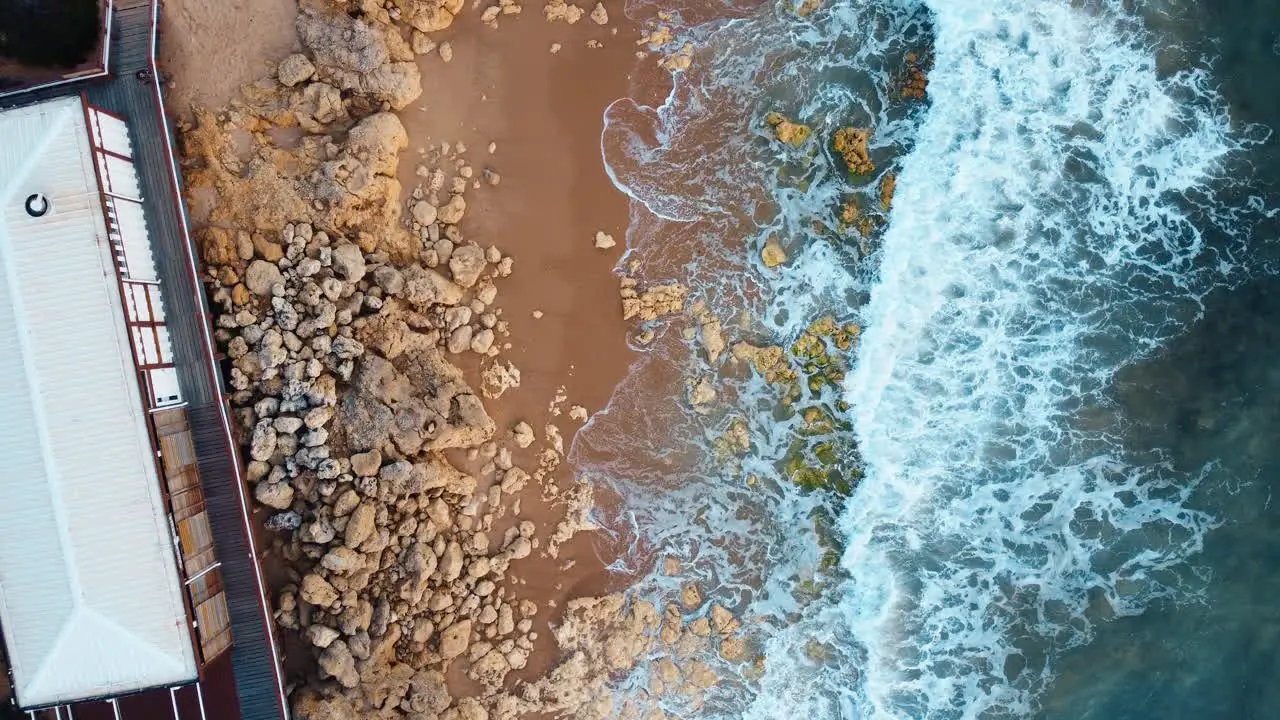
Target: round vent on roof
(37, 204)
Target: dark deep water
(1212, 396)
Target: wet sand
(545, 112)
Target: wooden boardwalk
(133, 93)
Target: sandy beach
(533, 118)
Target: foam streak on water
(1055, 220)
(1041, 240)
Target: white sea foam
(1053, 222)
(1038, 245)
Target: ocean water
(1044, 466)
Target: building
(130, 582)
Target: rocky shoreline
(345, 306)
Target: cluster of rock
(915, 83)
(851, 144)
(338, 313)
(559, 10)
(621, 636)
(339, 309)
(650, 303)
(504, 7)
(345, 393)
(792, 133)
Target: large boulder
(277, 495)
(398, 84)
(429, 15)
(382, 136)
(318, 591)
(421, 402)
(466, 264)
(261, 276)
(341, 42)
(428, 693)
(353, 55)
(424, 287)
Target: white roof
(90, 600)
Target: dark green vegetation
(49, 33)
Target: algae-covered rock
(791, 133)
(851, 143)
(888, 184)
(916, 84)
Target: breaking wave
(1062, 207)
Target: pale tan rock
(276, 495)
(559, 10)
(733, 649)
(261, 276)
(317, 591)
(554, 438)
(342, 561)
(424, 213)
(366, 464)
(360, 525)
(321, 636)
(604, 241)
(702, 393)
(455, 639)
(451, 213)
(422, 43)
(337, 662)
(499, 377)
(451, 562)
(295, 69)
(522, 435)
(723, 621)
(599, 15)
(346, 502)
(773, 255)
(460, 339)
(482, 341)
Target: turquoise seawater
(1039, 482)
